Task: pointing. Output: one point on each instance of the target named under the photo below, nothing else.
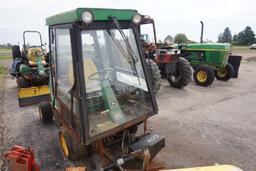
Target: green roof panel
(100, 14)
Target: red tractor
(172, 66)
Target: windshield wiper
(130, 51)
(119, 46)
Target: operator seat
(89, 69)
(32, 55)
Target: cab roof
(99, 14)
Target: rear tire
(183, 74)
(203, 76)
(224, 74)
(23, 83)
(154, 73)
(71, 147)
(45, 112)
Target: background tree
(234, 39)
(226, 36)
(180, 38)
(220, 38)
(246, 37)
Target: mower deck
(33, 95)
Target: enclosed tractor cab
(31, 69)
(172, 65)
(209, 61)
(100, 89)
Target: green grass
(240, 49)
(5, 50)
(5, 57)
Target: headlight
(136, 18)
(87, 17)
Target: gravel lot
(202, 126)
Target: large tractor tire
(225, 73)
(154, 73)
(71, 147)
(203, 76)
(23, 83)
(16, 52)
(45, 112)
(183, 74)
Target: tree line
(7, 45)
(244, 37)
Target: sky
(171, 16)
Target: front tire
(203, 76)
(225, 73)
(183, 74)
(45, 112)
(72, 148)
(155, 75)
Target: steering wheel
(106, 72)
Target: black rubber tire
(209, 76)
(229, 73)
(155, 75)
(23, 83)
(183, 74)
(76, 150)
(45, 112)
(16, 52)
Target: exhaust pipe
(202, 32)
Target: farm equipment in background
(31, 69)
(208, 60)
(170, 62)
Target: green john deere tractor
(209, 60)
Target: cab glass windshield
(116, 89)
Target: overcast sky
(171, 16)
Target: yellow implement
(33, 95)
(209, 168)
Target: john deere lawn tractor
(30, 67)
(100, 89)
(209, 60)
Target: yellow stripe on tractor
(33, 95)
(209, 168)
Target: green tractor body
(214, 54)
(209, 60)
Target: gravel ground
(202, 126)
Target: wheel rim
(40, 113)
(201, 76)
(222, 72)
(174, 78)
(63, 144)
